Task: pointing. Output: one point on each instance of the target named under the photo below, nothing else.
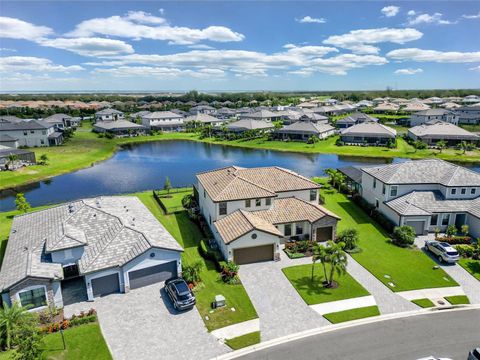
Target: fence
(171, 200)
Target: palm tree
(320, 254)
(11, 317)
(463, 146)
(331, 172)
(337, 259)
(11, 159)
(339, 179)
(442, 144)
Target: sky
(238, 45)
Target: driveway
(280, 309)
(143, 325)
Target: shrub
(210, 254)
(465, 251)
(451, 230)
(403, 235)
(339, 142)
(465, 229)
(230, 272)
(349, 237)
(455, 240)
(191, 273)
(109, 135)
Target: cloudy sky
(234, 45)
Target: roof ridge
(252, 183)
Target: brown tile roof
(287, 210)
(240, 223)
(235, 183)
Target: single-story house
(386, 108)
(85, 249)
(264, 115)
(8, 141)
(118, 127)
(434, 131)
(249, 124)
(371, 133)
(109, 115)
(63, 121)
(22, 157)
(354, 119)
(303, 130)
(204, 119)
(415, 106)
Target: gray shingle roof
(25, 125)
(57, 118)
(442, 130)
(114, 230)
(203, 118)
(370, 129)
(306, 127)
(429, 171)
(434, 112)
(162, 115)
(118, 125)
(108, 111)
(249, 124)
(357, 117)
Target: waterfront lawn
(457, 299)
(424, 303)
(244, 340)
(472, 266)
(313, 292)
(83, 342)
(188, 235)
(408, 269)
(353, 314)
(173, 200)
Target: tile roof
(204, 118)
(25, 125)
(113, 230)
(56, 118)
(117, 125)
(241, 222)
(369, 129)
(428, 171)
(108, 111)
(306, 126)
(249, 124)
(162, 115)
(235, 183)
(357, 117)
(442, 130)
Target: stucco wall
(247, 241)
(67, 256)
(33, 138)
(29, 284)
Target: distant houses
(434, 131)
(368, 133)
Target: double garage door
(253, 254)
(111, 284)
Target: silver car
(443, 251)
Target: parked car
(442, 250)
(474, 354)
(180, 294)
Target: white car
(443, 251)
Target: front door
(460, 219)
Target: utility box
(219, 301)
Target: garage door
(105, 285)
(324, 233)
(253, 254)
(417, 225)
(152, 275)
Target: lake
(144, 166)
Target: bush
(451, 230)
(465, 251)
(376, 215)
(109, 135)
(349, 237)
(209, 254)
(455, 240)
(339, 142)
(230, 273)
(403, 235)
(191, 273)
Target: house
(225, 113)
(261, 115)
(89, 248)
(354, 119)
(119, 127)
(434, 131)
(386, 107)
(425, 194)
(163, 120)
(471, 99)
(433, 101)
(362, 104)
(415, 106)
(304, 130)
(204, 119)
(109, 115)
(63, 121)
(422, 117)
(8, 141)
(31, 133)
(468, 114)
(202, 109)
(249, 124)
(368, 133)
(252, 211)
(22, 157)
(314, 118)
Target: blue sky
(234, 45)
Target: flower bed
(75, 320)
(455, 240)
(299, 249)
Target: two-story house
(422, 117)
(425, 194)
(163, 120)
(252, 211)
(31, 133)
(109, 115)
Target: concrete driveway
(143, 325)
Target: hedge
(373, 212)
(455, 240)
(213, 255)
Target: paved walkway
(236, 330)
(433, 293)
(342, 305)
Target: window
(204, 193)
(268, 201)
(44, 132)
(313, 195)
(473, 191)
(377, 203)
(222, 208)
(33, 298)
(32, 131)
(434, 220)
(393, 190)
(384, 189)
(25, 133)
(248, 203)
(445, 219)
(299, 229)
(42, 142)
(258, 202)
(463, 191)
(374, 183)
(287, 230)
(453, 191)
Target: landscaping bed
(244, 340)
(353, 314)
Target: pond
(144, 166)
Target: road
(443, 334)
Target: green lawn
(188, 235)
(244, 340)
(472, 266)
(408, 269)
(83, 342)
(173, 200)
(313, 292)
(424, 303)
(353, 314)
(457, 299)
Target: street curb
(346, 325)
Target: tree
(441, 145)
(419, 145)
(22, 203)
(313, 140)
(191, 273)
(349, 237)
(168, 185)
(320, 254)
(465, 229)
(463, 146)
(337, 259)
(11, 318)
(12, 158)
(44, 159)
(29, 342)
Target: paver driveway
(280, 309)
(143, 325)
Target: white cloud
(436, 18)
(90, 46)
(359, 41)
(8, 49)
(408, 71)
(475, 68)
(414, 54)
(411, 13)
(33, 64)
(18, 29)
(160, 72)
(390, 11)
(474, 16)
(341, 64)
(310, 20)
(134, 26)
(200, 47)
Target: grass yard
(424, 303)
(244, 340)
(457, 299)
(408, 269)
(472, 266)
(173, 200)
(83, 342)
(353, 314)
(313, 292)
(189, 235)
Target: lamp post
(63, 339)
